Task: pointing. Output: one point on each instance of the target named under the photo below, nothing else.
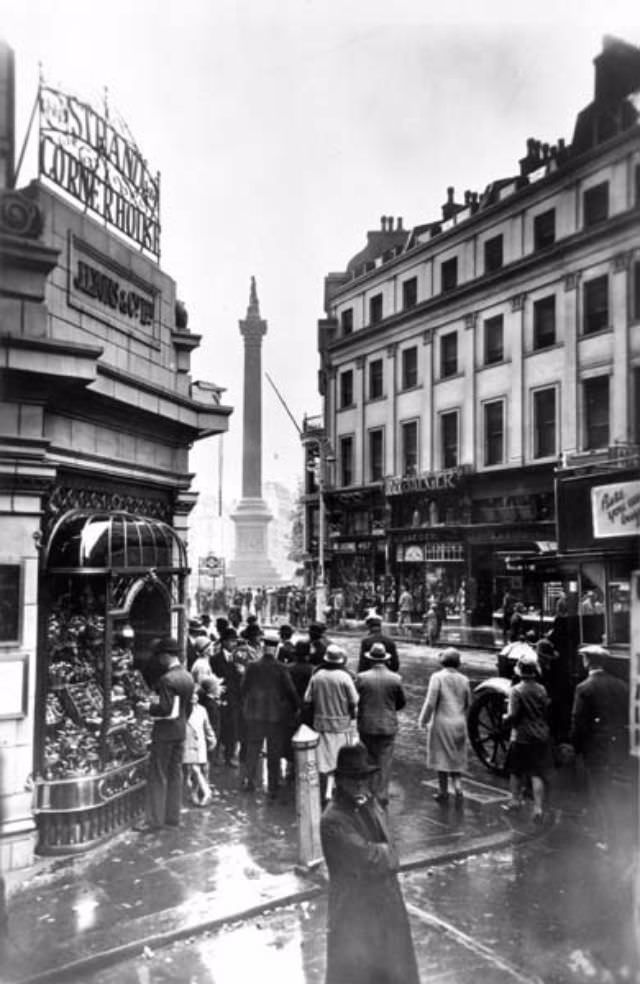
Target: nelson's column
(251, 566)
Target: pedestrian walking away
(529, 752)
(230, 670)
(169, 710)
(270, 705)
(368, 935)
(444, 715)
(333, 701)
(599, 733)
(381, 697)
(375, 634)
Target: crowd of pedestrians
(240, 692)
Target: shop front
(427, 549)
(111, 582)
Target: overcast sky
(284, 129)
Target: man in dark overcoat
(375, 634)
(270, 704)
(600, 733)
(368, 938)
(381, 697)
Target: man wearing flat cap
(368, 935)
(169, 710)
(599, 732)
(375, 634)
(381, 697)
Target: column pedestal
(251, 566)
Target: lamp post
(324, 457)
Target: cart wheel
(488, 735)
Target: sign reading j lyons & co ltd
(615, 509)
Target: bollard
(305, 742)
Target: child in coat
(199, 740)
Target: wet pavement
(487, 903)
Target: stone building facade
(465, 360)
(97, 414)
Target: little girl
(199, 740)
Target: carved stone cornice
(19, 215)
(572, 280)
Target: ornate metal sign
(82, 152)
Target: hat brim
(362, 773)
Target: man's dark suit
(164, 781)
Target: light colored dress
(445, 714)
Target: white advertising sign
(615, 509)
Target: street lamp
(325, 456)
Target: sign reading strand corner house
(615, 509)
(89, 158)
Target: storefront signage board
(13, 689)
(425, 482)
(103, 289)
(615, 509)
(94, 161)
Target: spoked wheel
(488, 735)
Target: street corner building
(480, 375)
(97, 414)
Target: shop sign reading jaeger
(83, 153)
(425, 482)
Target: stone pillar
(305, 742)
(251, 566)
(571, 416)
(620, 403)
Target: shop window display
(81, 720)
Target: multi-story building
(465, 359)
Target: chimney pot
(383, 223)
(450, 193)
(389, 223)
(399, 224)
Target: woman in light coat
(444, 715)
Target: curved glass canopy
(113, 541)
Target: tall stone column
(251, 566)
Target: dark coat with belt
(368, 939)
(600, 718)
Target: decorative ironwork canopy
(85, 541)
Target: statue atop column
(251, 566)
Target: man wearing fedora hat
(368, 934)
(375, 634)
(332, 698)
(599, 733)
(381, 697)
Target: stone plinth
(251, 565)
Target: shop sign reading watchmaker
(85, 154)
(424, 482)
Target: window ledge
(409, 389)
(376, 399)
(544, 348)
(347, 406)
(493, 365)
(593, 334)
(446, 379)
